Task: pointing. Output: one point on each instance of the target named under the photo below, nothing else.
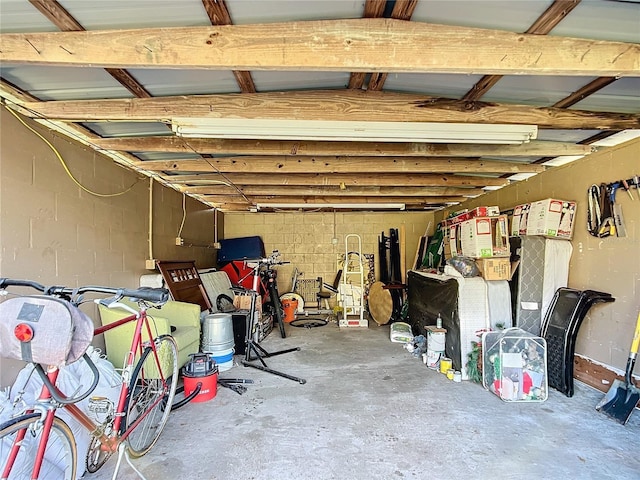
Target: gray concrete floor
(370, 410)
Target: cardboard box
(551, 218)
(447, 251)
(517, 219)
(520, 219)
(492, 211)
(454, 240)
(459, 218)
(494, 268)
(485, 237)
(243, 302)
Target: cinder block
(48, 234)
(108, 262)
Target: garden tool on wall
(616, 209)
(612, 221)
(607, 225)
(594, 214)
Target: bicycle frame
(108, 442)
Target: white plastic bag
(73, 379)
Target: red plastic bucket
(290, 306)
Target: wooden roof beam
(219, 15)
(221, 199)
(358, 45)
(262, 164)
(558, 10)
(536, 148)
(372, 9)
(402, 10)
(347, 179)
(584, 92)
(327, 105)
(295, 190)
(62, 19)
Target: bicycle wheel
(60, 455)
(151, 394)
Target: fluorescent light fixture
(562, 160)
(610, 141)
(267, 129)
(618, 138)
(313, 206)
(521, 176)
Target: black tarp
(429, 297)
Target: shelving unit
(351, 288)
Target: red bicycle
(35, 443)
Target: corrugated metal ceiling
(591, 19)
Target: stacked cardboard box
(481, 234)
(551, 218)
(495, 268)
(485, 237)
(465, 215)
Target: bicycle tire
(60, 458)
(146, 388)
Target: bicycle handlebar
(270, 260)
(155, 295)
(8, 282)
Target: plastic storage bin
(514, 365)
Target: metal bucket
(217, 333)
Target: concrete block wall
(53, 232)
(307, 239)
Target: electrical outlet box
(217, 245)
(150, 264)
(179, 241)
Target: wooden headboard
(184, 283)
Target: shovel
(622, 397)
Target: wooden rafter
(402, 10)
(339, 180)
(372, 9)
(295, 190)
(329, 199)
(62, 19)
(558, 10)
(219, 15)
(365, 45)
(584, 92)
(535, 148)
(260, 164)
(329, 105)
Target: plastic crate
(514, 365)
